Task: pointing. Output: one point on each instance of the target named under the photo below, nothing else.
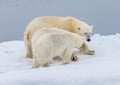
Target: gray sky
(104, 15)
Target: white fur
(44, 31)
(70, 24)
(50, 45)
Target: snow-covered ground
(103, 68)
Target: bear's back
(58, 39)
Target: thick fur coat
(70, 24)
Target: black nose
(88, 40)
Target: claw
(74, 58)
(90, 52)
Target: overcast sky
(104, 15)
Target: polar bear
(67, 23)
(53, 44)
(46, 30)
(39, 33)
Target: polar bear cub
(51, 45)
(45, 30)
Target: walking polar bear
(67, 23)
(46, 30)
(52, 44)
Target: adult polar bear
(67, 23)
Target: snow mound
(103, 68)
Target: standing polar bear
(39, 33)
(46, 30)
(52, 44)
(67, 23)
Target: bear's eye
(78, 28)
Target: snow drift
(103, 68)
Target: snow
(103, 68)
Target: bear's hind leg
(46, 64)
(35, 64)
(28, 51)
(27, 43)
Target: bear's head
(80, 27)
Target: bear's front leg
(84, 49)
(67, 55)
(74, 57)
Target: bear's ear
(91, 26)
(69, 22)
(69, 18)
